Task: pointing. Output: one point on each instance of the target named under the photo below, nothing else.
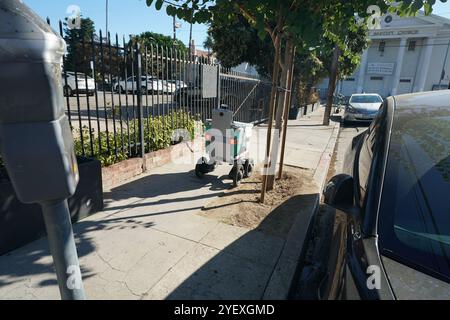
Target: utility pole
(190, 35)
(174, 30)
(107, 9)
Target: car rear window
(365, 99)
(414, 219)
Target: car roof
(434, 99)
(366, 94)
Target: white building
(406, 55)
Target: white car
(362, 107)
(77, 84)
(148, 84)
(173, 85)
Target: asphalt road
(307, 286)
(346, 135)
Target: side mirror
(339, 194)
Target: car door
(353, 247)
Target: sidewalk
(150, 243)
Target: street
(344, 141)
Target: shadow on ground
(243, 268)
(33, 259)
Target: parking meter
(36, 142)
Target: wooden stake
(273, 96)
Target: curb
(279, 284)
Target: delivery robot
(227, 141)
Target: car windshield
(415, 208)
(366, 99)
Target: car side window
(370, 143)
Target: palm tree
(208, 45)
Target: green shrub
(160, 132)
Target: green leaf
(158, 4)
(149, 2)
(170, 10)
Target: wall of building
(421, 67)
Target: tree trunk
(273, 99)
(287, 107)
(283, 98)
(331, 85)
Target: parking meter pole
(37, 146)
(62, 246)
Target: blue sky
(125, 17)
(133, 16)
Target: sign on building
(380, 68)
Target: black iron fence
(125, 98)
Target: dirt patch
(241, 206)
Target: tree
(235, 41)
(288, 23)
(346, 31)
(151, 38)
(84, 46)
(208, 44)
(75, 59)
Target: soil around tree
(241, 206)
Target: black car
(391, 238)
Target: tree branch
(250, 17)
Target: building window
(412, 45)
(405, 80)
(381, 46)
(376, 78)
(349, 79)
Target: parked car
(173, 85)
(192, 95)
(362, 107)
(391, 237)
(148, 84)
(77, 84)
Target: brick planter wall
(120, 172)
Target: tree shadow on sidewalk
(242, 268)
(34, 259)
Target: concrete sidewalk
(149, 243)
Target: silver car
(362, 107)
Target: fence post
(218, 86)
(140, 108)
